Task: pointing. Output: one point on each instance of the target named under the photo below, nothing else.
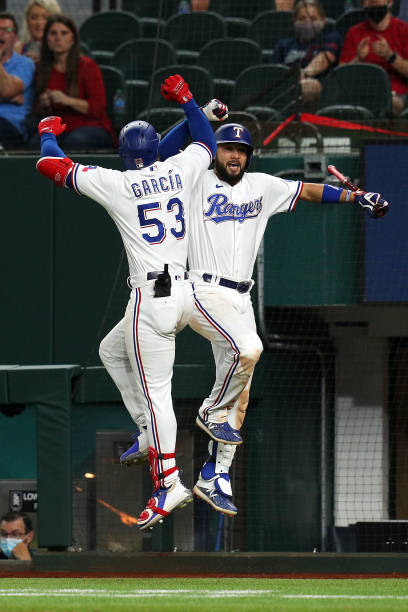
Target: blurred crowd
(45, 69)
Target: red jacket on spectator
(397, 37)
(92, 88)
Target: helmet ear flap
(138, 145)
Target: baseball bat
(343, 179)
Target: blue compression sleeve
(50, 147)
(199, 126)
(174, 140)
(331, 194)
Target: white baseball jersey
(228, 222)
(149, 206)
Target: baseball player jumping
(226, 229)
(149, 203)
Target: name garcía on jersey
(220, 209)
(159, 184)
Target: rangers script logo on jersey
(221, 209)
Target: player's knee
(251, 350)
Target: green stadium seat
(197, 77)
(335, 8)
(225, 59)
(270, 27)
(138, 59)
(346, 111)
(114, 81)
(266, 90)
(104, 32)
(365, 85)
(348, 20)
(189, 32)
(244, 9)
(162, 118)
(151, 8)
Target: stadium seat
(162, 118)
(270, 27)
(104, 32)
(189, 32)
(349, 19)
(245, 10)
(150, 8)
(346, 111)
(198, 78)
(225, 58)
(365, 85)
(335, 8)
(266, 89)
(114, 81)
(137, 59)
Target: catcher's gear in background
(215, 110)
(373, 203)
(175, 89)
(235, 133)
(51, 125)
(138, 145)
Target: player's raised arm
(373, 203)
(170, 145)
(176, 89)
(54, 164)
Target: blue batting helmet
(235, 132)
(138, 145)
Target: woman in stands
(71, 86)
(314, 48)
(35, 17)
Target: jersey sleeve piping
(296, 197)
(74, 172)
(205, 147)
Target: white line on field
(30, 592)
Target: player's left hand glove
(215, 110)
(176, 89)
(373, 203)
(51, 125)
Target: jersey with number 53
(150, 206)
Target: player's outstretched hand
(51, 125)
(175, 89)
(215, 110)
(373, 203)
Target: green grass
(199, 594)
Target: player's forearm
(199, 126)
(326, 194)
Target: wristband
(392, 58)
(348, 194)
(331, 194)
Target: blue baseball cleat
(138, 452)
(215, 489)
(220, 432)
(162, 502)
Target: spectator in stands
(16, 85)
(35, 17)
(381, 39)
(16, 533)
(313, 49)
(403, 12)
(71, 86)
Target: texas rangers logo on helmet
(238, 130)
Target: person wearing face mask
(16, 533)
(381, 39)
(315, 50)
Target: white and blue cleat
(220, 432)
(138, 452)
(162, 502)
(215, 489)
